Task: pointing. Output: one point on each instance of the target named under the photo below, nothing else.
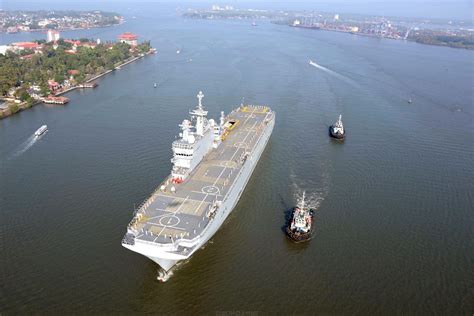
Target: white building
(3, 49)
(43, 23)
(52, 36)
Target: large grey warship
(212, 163)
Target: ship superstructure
(211, 165)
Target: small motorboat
(40, 131)
(178, 51)
(155, 85)
(410, 101)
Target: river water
(394, 201)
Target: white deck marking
(200, 192)
(164, 227)
(172, 227)
(231, 158)
(199, 206)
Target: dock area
(55, 100)
(88, 85)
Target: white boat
(178, 51)
(40, 131)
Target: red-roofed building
(27, 56)
(25, 45)
(88, 45)
(73, 72)
(53, 85)
(72, 42)
(128, 38)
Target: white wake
(333, 73)
(314, 193)
(27, 144)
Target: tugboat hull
(297, 238)
(336, 135)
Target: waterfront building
(52, 36)
(128, 38)
(20, 46)
(53, 85)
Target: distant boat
(410, 101)
(254, 23)
(155, 85)
(337, 129)
(312, 63)
(178, 51)
(40, 131)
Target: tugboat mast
(302, 200)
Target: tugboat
(300, 227)
(337, 129)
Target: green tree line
(55, 64)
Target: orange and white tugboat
(300, 226)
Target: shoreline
(381, 37)
(79, 86)
(22, 106)
(64, 29)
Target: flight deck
(181, 210)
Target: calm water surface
(395, 200)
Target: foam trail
(333, 73)
(25, 146)
(313, 199)
(315, 193)
(164, 276)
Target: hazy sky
(453, 9)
